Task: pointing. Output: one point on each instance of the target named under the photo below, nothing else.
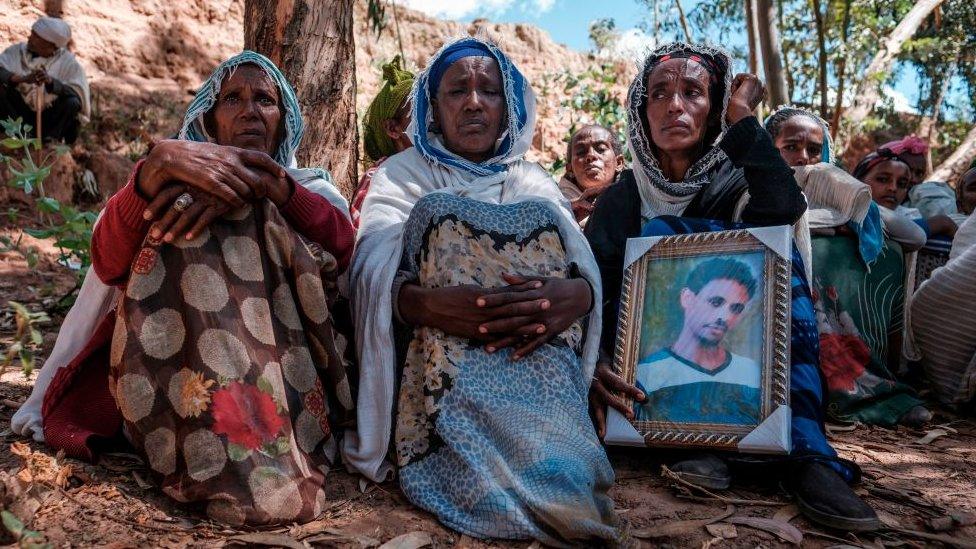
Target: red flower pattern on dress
(247, 415)
(842, 359)
(832, 293)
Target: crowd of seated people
(484, 295)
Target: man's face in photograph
(715, 310)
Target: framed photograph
(704, 332)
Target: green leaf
(12, 143)
(236, 452)
(41, 233)
(16, 527)
(36, 337)
(265, 386)
(26, 362)
(48, 205)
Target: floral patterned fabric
(860, 314)
(497, 448)
(228, 372)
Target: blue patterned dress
(497, 448)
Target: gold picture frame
(776, 296)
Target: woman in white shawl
(476, 250)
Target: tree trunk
(841, 72)
(684, 21)
(772, 53)
(957, 163)
(821, 43)
(751, 31)
(869, 89)
(926, 128)
(312, 42)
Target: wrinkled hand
(461, 310)
(230, 174)
(188, 223)
(605, 391)
(561, 302)
(746, 94)
(584, 205)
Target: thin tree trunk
(841, 72)
(926, 128)
(822, 44)
(772, 53)
(312, 42)
(684, 20)
(869, 89)
(957, 163)
(751, 31)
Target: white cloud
(900, 100)
(463, 9)
(458, 9)
(633, 44)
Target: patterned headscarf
(910, 144)
(658, 195)
(194, 127)
(397, 84)
(786, 112)
(519, 100)
(874, 158)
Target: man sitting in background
(44, 61)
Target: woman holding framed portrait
(700, 157)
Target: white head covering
(54, 30)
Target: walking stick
(38, 111)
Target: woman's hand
(746, 94)
(231, 174)
(561, 301)
(604, 392)
(462, 310)
(190, 222)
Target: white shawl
(62, 66)
(399, 183)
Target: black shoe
(705, 470)
(916, 418)
(823, 497)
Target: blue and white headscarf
(519, 99)
(194, 127)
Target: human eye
(716, 301)
(737, 308)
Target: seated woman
(684, 100)
(384, 127)
(852, 266)
(473, 250)
(594, 159)
(224, 369)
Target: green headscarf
(396, 88)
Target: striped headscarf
(519, 100)
(194, 127)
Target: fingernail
(189, 236)
(537, 284)
(641, 396)
(155, 233)
(147, 215)
(482, 329)
(541, 329)
(546, 304)
(490, 349)
(168, 237)
(480, 302)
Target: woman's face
(917, 167)
(889, 181)
(967, 192)
(678, 105)
(800, 141)
(470, 107)
(594, 161)
(248, 111)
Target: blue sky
(567, 21)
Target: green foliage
(70, 227)
(603, 34)
(27, 339)
(376, 15)
(26, 538)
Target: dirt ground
(921, 482)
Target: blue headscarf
(193, 128)
(519, 101)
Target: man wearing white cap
(43, 61)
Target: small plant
(27, 339)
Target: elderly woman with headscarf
(42, 73)
(384, 127)
(472, 251)
(699, 152)
(858, 280)
(594, 159)
(223, 369)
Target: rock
(60, 184)
(111, 171)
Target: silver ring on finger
(183, 202)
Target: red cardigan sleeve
(119, 233)
(321, 222)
